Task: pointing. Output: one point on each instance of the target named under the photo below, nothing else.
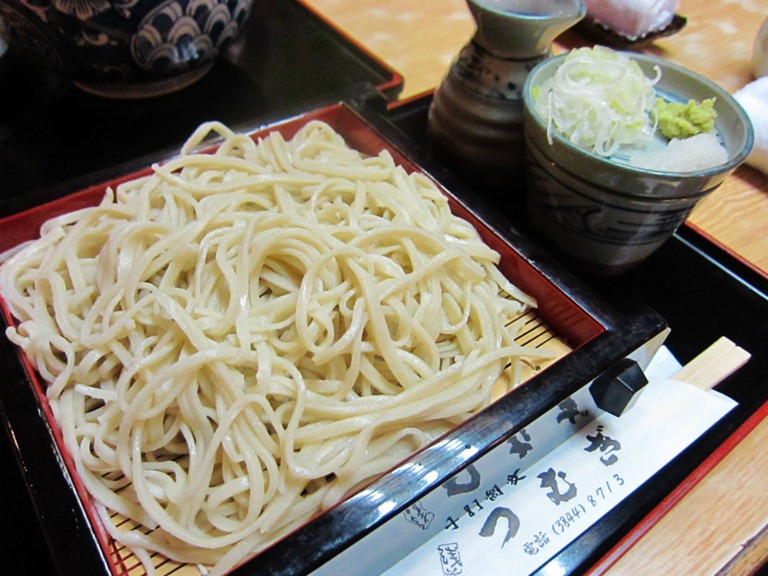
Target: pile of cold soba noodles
(237, 340)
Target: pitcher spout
(511, 28)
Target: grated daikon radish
(698, 152)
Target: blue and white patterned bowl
(124, 48)
(607, 216)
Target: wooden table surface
(420, 39)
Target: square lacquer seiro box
(584, 338)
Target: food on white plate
(234, 342)
(601, 100)
(753, 97)
(632, 18)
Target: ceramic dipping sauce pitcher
(475, 121)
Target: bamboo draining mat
(533, 333)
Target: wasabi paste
(677, 120)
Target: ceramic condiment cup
(607, 216)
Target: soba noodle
(236, 341)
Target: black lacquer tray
(703, 292)
(60, 140)
(286, 61)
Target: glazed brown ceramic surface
(476, 117)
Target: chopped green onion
(599, 99)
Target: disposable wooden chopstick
(713, 365)
(680, 534)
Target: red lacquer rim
(674, 498)
(560, 312)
